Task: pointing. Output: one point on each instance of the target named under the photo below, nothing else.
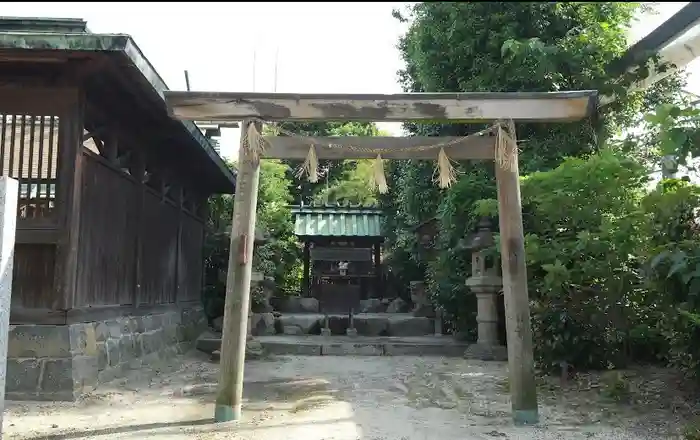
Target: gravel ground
(349, 398)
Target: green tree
(278, 258)
(354, 187)
(329, 172)
(503, 46)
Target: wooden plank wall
(33, 277)
(190, 271)
(106, 251)
(159, 250)
(129, 230)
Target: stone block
(54, 362)
(23, 375)
(37, 341)
(298, 304)
(113, 352)
(292, 330)
(263, 324)
(398, 305)
(83, 339)
(350, 349)
(193, 317)
(143, 342)
(372, 325)
(308, 323)
(126, 348)
(58, 375)
(170, 333)
(101, 331)
(292, 349)
(158, 339)
(407, 325)
(218, 323)
(372, 305)
(102, 361)
(114, 327)
(85, 372)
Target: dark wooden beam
(138, 133)
(37, 236)
(355, 147)
(22, 315)
(462, 107)
(68, 196)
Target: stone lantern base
(488, 347)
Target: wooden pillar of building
(240, 268)
(68, 195)
(306, 282)
(139, 173)
(519, 332)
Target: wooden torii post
(455, 107)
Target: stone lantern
(486, 285)
(426, 233)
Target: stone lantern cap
(483, 238)
(426, 230)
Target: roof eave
(116, 43)
(671, 29)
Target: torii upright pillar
(521, 365)
(240, 267)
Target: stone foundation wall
(61, 362)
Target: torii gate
(252, 108)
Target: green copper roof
(337, 221)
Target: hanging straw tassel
(310, 166)
(446, 173)
(378, 177)
(254, 142)
(506, 148)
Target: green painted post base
(225, 413)
(525, 417)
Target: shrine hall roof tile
(337, 221)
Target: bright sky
(320, 47)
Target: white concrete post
(9, 189)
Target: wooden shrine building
(342, 251)
(112, 206)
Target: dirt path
(341, 398)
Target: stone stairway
(377, 334)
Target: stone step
(366, 324)
(311, 345)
